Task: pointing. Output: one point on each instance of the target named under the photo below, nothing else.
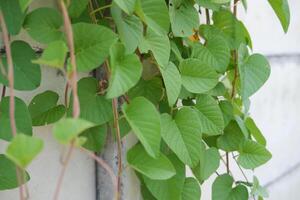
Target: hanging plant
(180, 86)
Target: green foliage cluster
(182, 87)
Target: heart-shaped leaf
(92, 46)
(23, 149)
(169, 189)
(127, 5)
(126, 70)
(222, 189)
(172, 81)
(254, 72)
(94, 107)
(233, 29)
(144, 120)
(197, 76)
(159, 168)
(77, 7)
(184, 17)
(155, 14)
(253, 155)
(43, 25)
(27, 76)
(95, 138)
(54, 55)
(159, 45)
(208, 164)
(232, 137)
(130, 28)
(191, 189)
(210, 115)
(68, 129)
(183, 135)
(13, 15)
(22, 117)
(44, 110)
(8, 174)
(215, 52)
(150, 89)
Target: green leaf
(216, 53)
(209, 4)
(159, 168)
(95, 138)
(258, 190)
(227, 110)
(43, 25)
(76, 7)
(159, 45)
(254, 131)
(184, 17)
(197, 76)
(222, 189)
(208, 164)
(155, 14)
(8, 174)
(94, 107)
(92, 46)
(191, 189)
(144, 120)
(130, 28)
(44, 110)
(232, 137)
(22, 117)
(150, 89)
(189, 127)
(172, 81)
(68, 129)
(54, 55)
(23, 149)
(218, 90)
(13, 15)
(24, 4)
(126, 70)
(254, 72)
(242, 126)
(127, 5)
(27, 76)
(233, 29)
(186, 141)
(210, 115)
(253, 155)
(169, 189)
(282, 10)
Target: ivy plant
(182, 87)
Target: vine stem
(100, 8)
(3, 92)
(235, 57)
(63, 171)
(72, 78)
(105, 166)
(10, 77)
(119, 144)
(207, 16)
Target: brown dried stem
(72, 78)
(10, 78)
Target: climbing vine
(182, 87)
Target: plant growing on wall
(180, 86)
